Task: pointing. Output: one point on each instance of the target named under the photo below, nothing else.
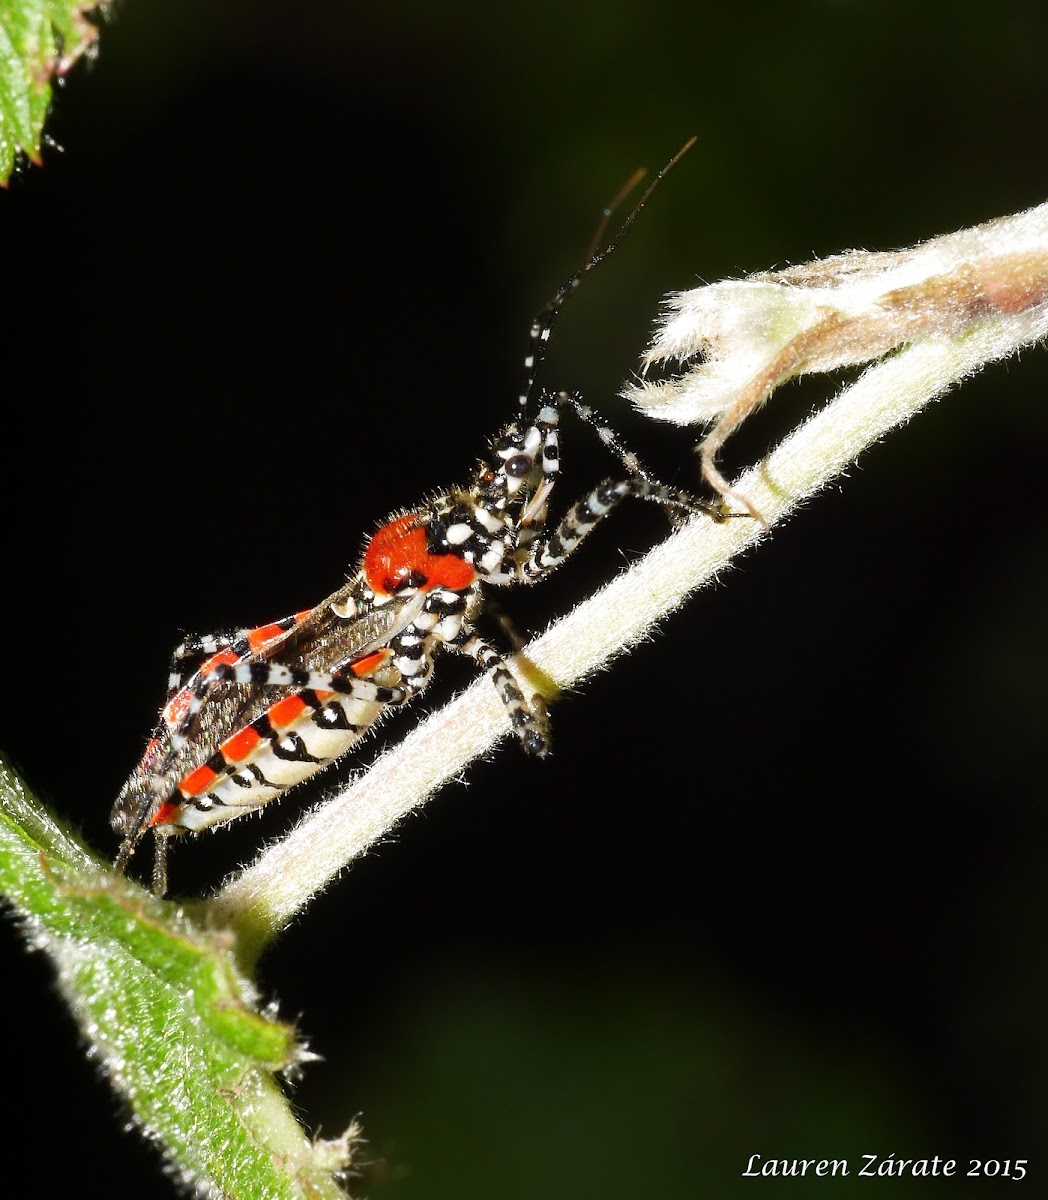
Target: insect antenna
(545, 319)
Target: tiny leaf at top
(39, 41)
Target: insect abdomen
(294, 738)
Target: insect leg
(547, 553)
(676, 499)
(192, 653)
(268, 674)
(529, 719)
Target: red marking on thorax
(398, 551)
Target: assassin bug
(251, 713)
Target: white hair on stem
(924, 319)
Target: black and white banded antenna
(545, 319)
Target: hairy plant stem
(264, 898)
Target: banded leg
(191, 654)
(547, 553)
(529, 720)
(267, 674)
(182, 711)
(546, 423)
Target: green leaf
(39, 41)
(167, 1012)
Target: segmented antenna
(545, 319)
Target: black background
(780, 889)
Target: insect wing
(323, 641)
(320, 641)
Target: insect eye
(518, 466)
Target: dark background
(780, 890)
